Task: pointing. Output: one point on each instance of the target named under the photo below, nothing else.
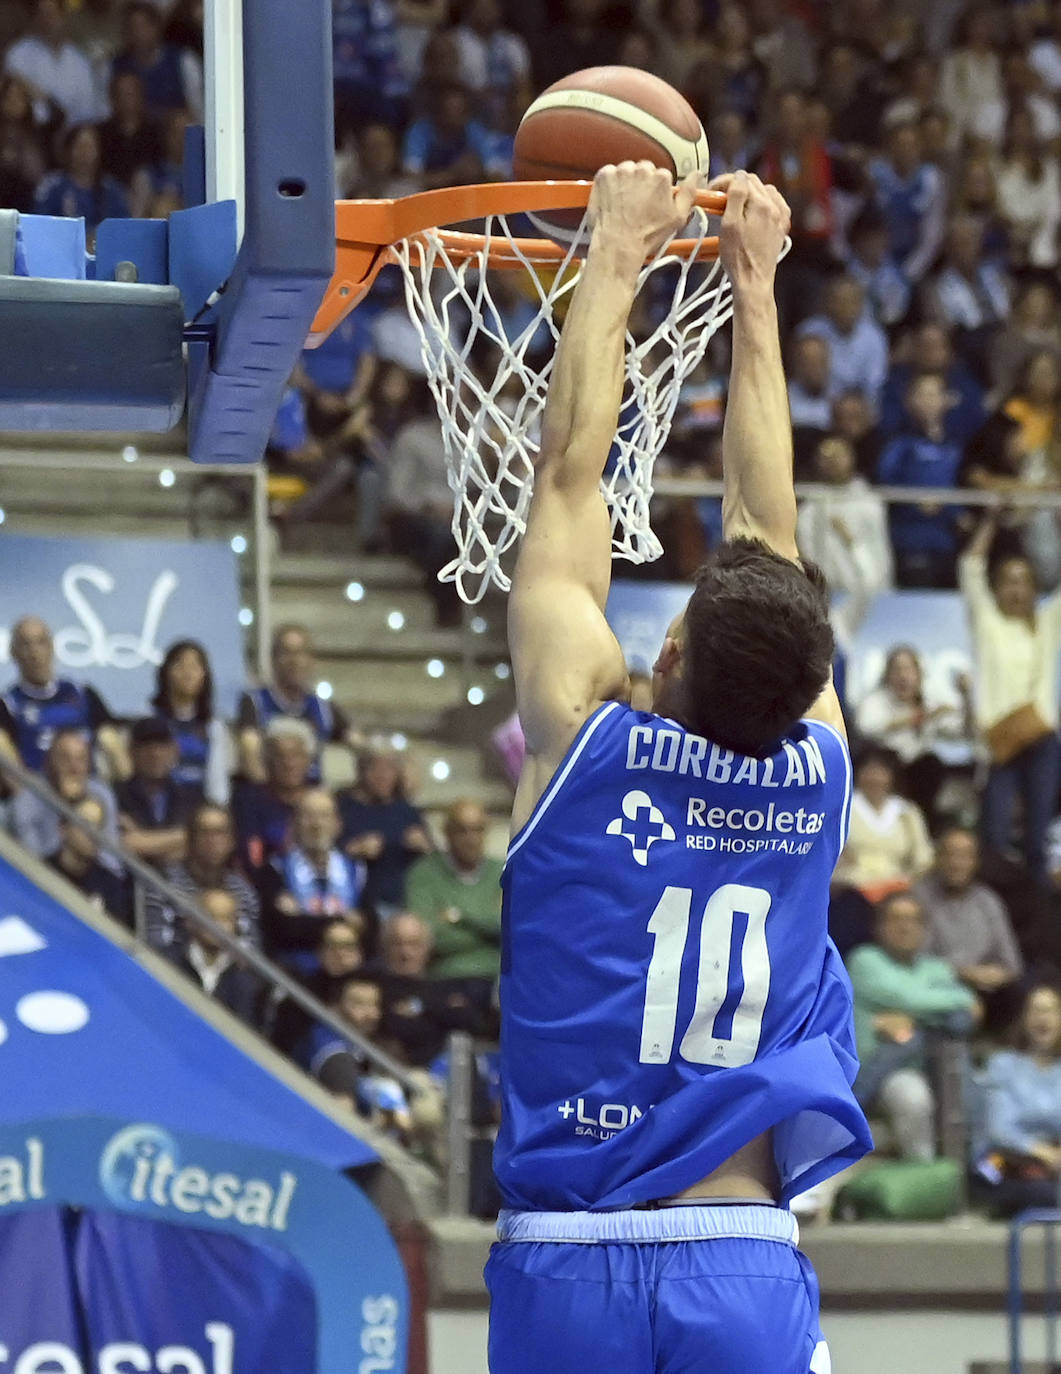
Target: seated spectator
(1018, 1157)
(858, 349)
(57, 72)
(910, 195)
(77, 860)
(338, 955)
(887, 846)
(976, 195)
(732, 147)
(809, 400)
(312, 882)
(22, 143)
(924, 537)
(783, 45)
(184, 696)
(264, 811)
(583, 38)
(130, 141)
(216, 969)
(1015, 653)
(165, 180)
(458, 894)
(351, 1076)
(853, 421)
(357, 455)
(172, 79)
(928, 349)
(797, 163)
(969, 294)
(1033, 326)
(419, 1011)
(382, 829)
(1035, 399)
(375, 171)
(901, 715)
(902, 996)
(68, 769)
(39, 704)
(885, 284)
(210, 848)
(1021, 92)
(420, 506)
(846, 531)
(368, 80)
(448, 147)
(971, 74)
(291, 693)
(969, 927)
(153, 807)
(82, 190)
(492, 62)
(1029, 188)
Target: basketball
(599, 116)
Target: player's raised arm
(758, 500)
(759, 497)
(565, 657)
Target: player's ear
(669, 657)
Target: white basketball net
(490, 429)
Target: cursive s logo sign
(89, 643)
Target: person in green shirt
(458, 893)
(900, 995)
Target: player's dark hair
(757, 648)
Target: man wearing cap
(153, 809)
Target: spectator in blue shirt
(448, 148)
(887, 288)
(911, 195)
(858, 348)
(160, 67)
(924, 537)
(1019, 1152)
(368, 78)
(969, 295)
(929, 350)
(382, 828)
(36, 707)
(82, 190)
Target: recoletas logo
(142, 1166)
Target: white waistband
(704, 1222)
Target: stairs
(438, 693)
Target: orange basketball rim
(366, 232)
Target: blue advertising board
(125, 1246)
(115, 605)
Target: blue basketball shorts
(682, 1290)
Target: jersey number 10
(732, 980)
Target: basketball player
(676, 1025)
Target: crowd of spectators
(918, 146)
(348, 892)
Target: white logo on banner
(47, 1012)
(89, 644)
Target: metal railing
(281, 981)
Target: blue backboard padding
(144, 242)
(89, 355)
(202, 251)
(54, 247)
(134, 1049)
(193, 171)
(287, 256)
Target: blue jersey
(668, 987)
(34, 716)
(260, 706)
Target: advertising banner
(125, 1246)
(115, 605)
